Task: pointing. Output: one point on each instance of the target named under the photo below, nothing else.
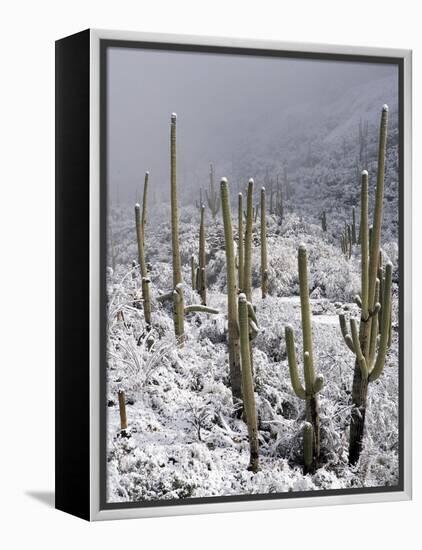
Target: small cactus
(212, 196)
(354, 237)
(247, 383)
(324, 221)
(313, 383)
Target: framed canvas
(233, 274)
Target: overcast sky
(222, 103)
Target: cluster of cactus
(212, 195)
(313, 382)
(242, 322)
(375, 304)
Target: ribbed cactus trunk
(247, 384)
(247, 274)
(312, 401)
(146, 298)
(144, 206)
(202, 269)
(240, 243)
(369, 271)
(264, 259)
(122, 410)
(178, 301)
(232, 311)
(193, 271)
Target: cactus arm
(358, 301)
(318, 384)
(346, 336)
(200, 309)
(358, 350)
(252, 314)
(364, 241)
(192, 270)
(308, 443)
(146, 295)
(378, 367)
(291, 359)
(165, 297)
(253, 329)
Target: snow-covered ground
(186, 437)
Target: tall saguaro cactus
(247, 272)
(144, 206)
(240, 244)
(362, 342)
(232, 312)
(264, 259)
(202, 283)
(247, 383)
(212, 196)
(146, 297)
(313, 383)
(178, 300)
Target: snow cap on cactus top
(364, 172)
(250, 180)
(173, 117)
(262, 188)
(224, 180)
(302, 246)
(147, 173)
(385, 107)
(242, 297)
(137, 206)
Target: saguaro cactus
(142, 266)
(202, 283)
(144, 207)
(240, 244)
(178, 301)
(247, 383)
(362, 342)
(354, 238)
(212, 196)
(247, 275)
(313, 382)
(232, 312)
(264, 260)
(193, 271)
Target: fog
(235, 111)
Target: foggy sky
(225, 104)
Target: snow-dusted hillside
(186, 437)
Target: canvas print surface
(251, 275)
